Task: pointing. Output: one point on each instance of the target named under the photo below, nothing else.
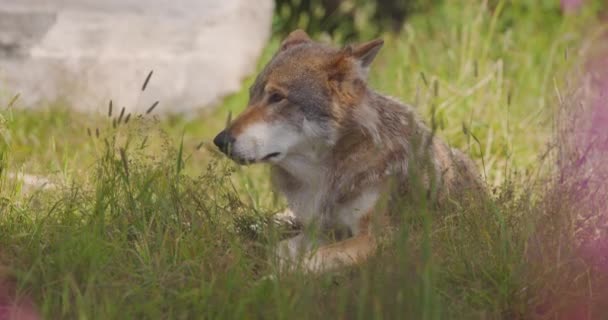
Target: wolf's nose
(223, 141)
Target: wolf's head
(300, 101)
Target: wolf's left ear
(296, 37)
(366, 52)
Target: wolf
(336, 149)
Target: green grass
(145, 225)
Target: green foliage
(345, 19)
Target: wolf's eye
(275, 98)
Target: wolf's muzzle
(224, 141)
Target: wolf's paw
(268, 278)
(287, 223)
(286, 218)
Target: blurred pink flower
(12, 308)
(571, 5)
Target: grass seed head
(122, 113)
(152, 107)
(145, 85)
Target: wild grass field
(147, 221)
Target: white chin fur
(261, 139)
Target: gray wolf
(336, 148)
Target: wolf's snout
(224, 141)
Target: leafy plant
(346, 19)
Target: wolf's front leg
(348, 252)
(300, 251)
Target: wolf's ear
(298, 36)
(366, 52)
(354, 58)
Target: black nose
(224, 141)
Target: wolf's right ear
(296, 37)
(355, 57)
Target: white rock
(86, 52)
